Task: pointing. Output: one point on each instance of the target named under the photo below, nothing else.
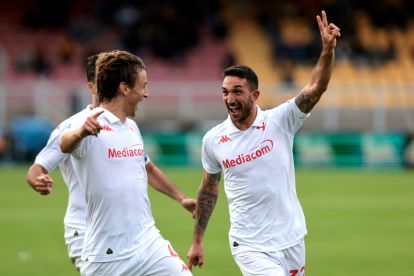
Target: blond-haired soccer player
(253, 149)
(108, 154)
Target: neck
(115, 108)
(94, 103)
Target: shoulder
(131, 123)
(81, 115)
(286, 107)
(215, 131)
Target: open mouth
(235, 111)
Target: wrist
(181, 199)
(327, 52)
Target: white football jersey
(49, 158)
(111, 169)
(259, 178)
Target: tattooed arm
(321, 74)
(206, 201)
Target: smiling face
(240, 101)
(136, 93)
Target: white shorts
(155, 261)
(74, 244)
(286, 262)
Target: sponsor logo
(106, 128)
(262, 149)
(224, 139)
(131, 151)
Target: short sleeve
(209, 162)
(51, 156)
(288, 116)
(75, 122)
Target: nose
(146, 93)
(230, 98)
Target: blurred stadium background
(365, 118)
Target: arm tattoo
(306, 102)
(207, 198)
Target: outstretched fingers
(322, 21)
(324, 18)
(329, 31)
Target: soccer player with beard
(253, 149)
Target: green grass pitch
(359, 223)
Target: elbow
(64, 148)
(317, 90)
(323, 88)
(65, 144)
(321, 91)
(150, 168)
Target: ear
(90, 87)
(256, 94)
(123, 88)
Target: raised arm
(206, 201)
(71, 138)
(159, 181)
(321, 74)
(37, 177)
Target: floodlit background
(354, 154)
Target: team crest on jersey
(106, 128)
(224, 139)
(262, 126)
(259, 151)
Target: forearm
(318, 82)
(159, 181)
(70, 139)
(206, 201)
(322, 72)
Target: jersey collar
(259, 118)
(110, 117)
